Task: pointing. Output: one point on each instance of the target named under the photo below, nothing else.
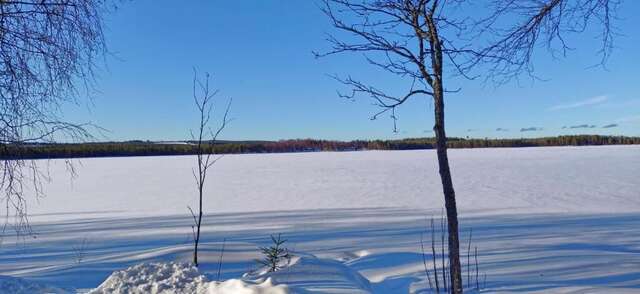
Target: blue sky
(260, 53)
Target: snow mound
(244, 287)
(154, 278)
(174, 278)
(22, 286)
(309, 274)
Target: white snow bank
(309, 274)
(21, 286)
(246, 287)
(154, 278)
(173, 277)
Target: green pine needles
(275, 255)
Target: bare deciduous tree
(48, 56)
(422, 40)
(205, 139)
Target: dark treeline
(147, 148)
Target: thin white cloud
(624, 104)
(582, 103)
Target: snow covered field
(555, 219)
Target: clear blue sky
(260, 54)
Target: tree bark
(197, 240)
(455, 269)
(449, 193)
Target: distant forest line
(149, 148)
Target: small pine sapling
(275, 254)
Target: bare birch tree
(422, 40)
(205, 139)
(48, 56)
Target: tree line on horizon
(149, 148)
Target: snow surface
(308, 273)
(154, 278)
(236, 286)
(21, 286)
(168, 278)
(546, 220)
(487, 181)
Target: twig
(424, 261)
(469, 259)
(433, 251)
(476, 257)
(444, 267)
(224, 241)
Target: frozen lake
(487, 181)
(556, 219)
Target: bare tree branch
(49, 51)
(203, 99)
(421, 40)
(546, 23)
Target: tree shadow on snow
(519, 253)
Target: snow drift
(173, 278)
